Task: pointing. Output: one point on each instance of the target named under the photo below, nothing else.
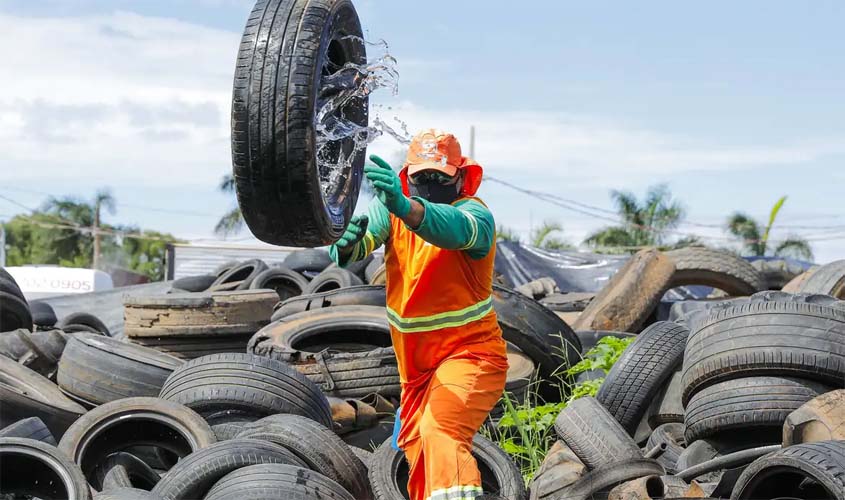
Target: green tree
(506, 234)
(146, 255)
(543, 236)
(755, 237)
(644, 223)
(233, 220)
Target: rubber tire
(777, 273)
(362, 295)
(795, 284)
(14, 313)
(820, 419)
(39, 351)
(243, 274)
(274, 105)
(194, 475)
(828, 280)
(359, 267)
(118, 425)
(673, 435)
(714, 268)
(274, 481)
(101, 369)
(247, 383)
(29, 428)
(321, 449)
(594, 435)
(748, 405)
(668, 407)
(198, 283)
(387, 466)
(65, 480)
(768, 333)
(372, 267)
(70, 321)
(631, 295)
(25, 393)
(227, 430)
(286, 282)
(823, 461)
(43, 315)
(601, 480)
(637, 377)
(124, 470)
(126, 494)
(333, 279)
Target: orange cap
(434, 149)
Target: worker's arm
(467, 225)
(377, 233)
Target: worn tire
(748, 405)
(43, 315)
(227, 430)
(795, 284)
(631, 295)
(29, 428)
(828, 280)
(777, 272)
(124, 470)
(312, 260)
(333, 279)
(638, 376)
(278, 85)
(668, 407)
(379, 275)
(769, 333)
(286, 282)
(672, 435)
(30, 467)
(274, 481)
(362, 295)
(822, 463)
(194, 475)
(14, 313)
(594, 435)
(243, 274)
(714, 268)
(39, 351)
(124, 423)
(372, 267)
(596, 483)
(25, 393)
(320, 448)
(820, 419)
(82, 322)
(126, 494)
(199, 283)
(389, 471)
(101, 369)
(245, 383)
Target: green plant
(526, 429)
(542, 236)
(756, 241)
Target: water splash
(343, 89)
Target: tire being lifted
(292, 60)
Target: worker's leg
(460, 396)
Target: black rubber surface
(274, 481)
(124, 470)
(29, 428)
(286, 282)
(594, 435)
(30, 467)
(333, 279)
(828, 279)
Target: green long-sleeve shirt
(465, 225)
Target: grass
(526, 429)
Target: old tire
(757, 405)
(320, 448)
(362, 295)
(668, 407)
(777, 272)
(126, 494)
(333, 279)
(288, 55)
(83, 322)
(499, 476)
(101, 369)
(812, 470)
(672, 435)
(243, 274)
(245, 383)
(769, 333)
(25, 393)
(43, 315)
(274, 481)
(125, 423)
(828, 280)
(14, 313)
(599, 481)
(29, 428)
(39, 350)
(199, 283)
(640, 373)
(194, 475)
(594, 435)
(721, 270)
(820, 419)
(631, 295)
(124, 470)
(30, 467)
(286, 282)
(795, 284)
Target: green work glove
(388, 187)
(356, 230)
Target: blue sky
(732, 104)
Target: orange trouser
(439, 420)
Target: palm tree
(756, 242)
(541, 237)
(73, 247)
(643, 224)
(232, 221)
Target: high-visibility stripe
(448, 319)
(369, 243)
(456, 493)
(474, 235)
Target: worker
(439, 250)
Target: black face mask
(435, 192)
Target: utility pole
(472, 141)
(2, 246)
(96, 229)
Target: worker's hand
(356, 230)
(388, 187)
